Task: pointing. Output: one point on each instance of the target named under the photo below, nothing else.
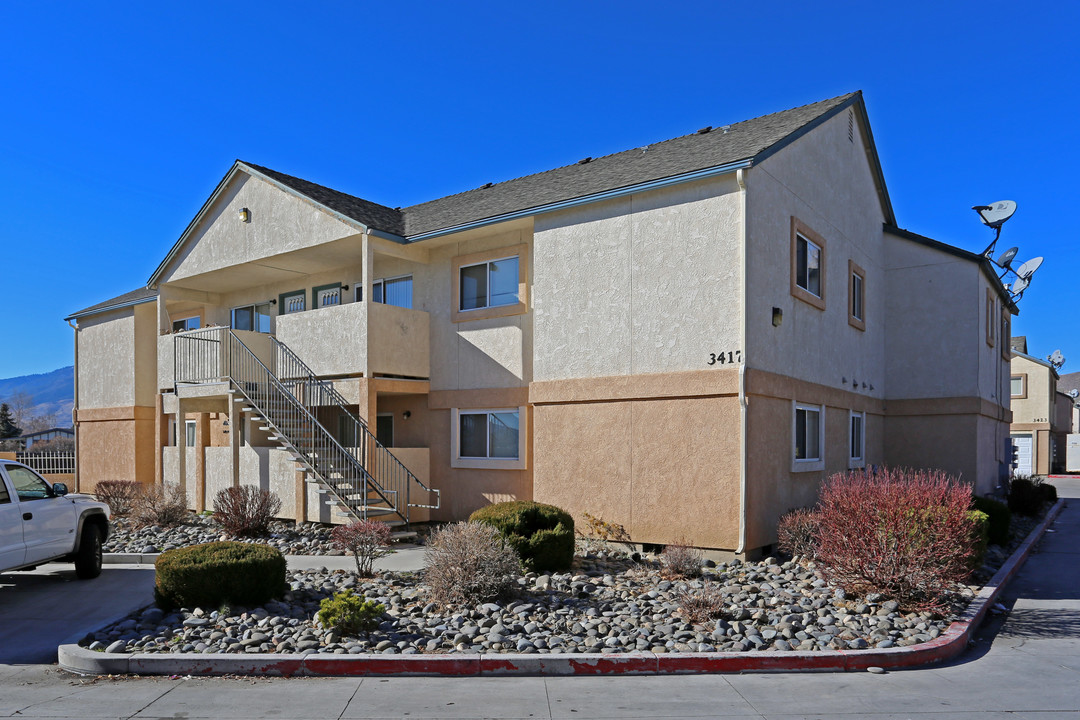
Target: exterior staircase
(354, 473)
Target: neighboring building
(685, 338)
(1068, 384)
(42, 436)
(1042, 414)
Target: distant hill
(51, 393)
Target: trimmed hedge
(999, 518)
(543, 535)
(980, 537)
(212, 574)
(1025, 497)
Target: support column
(181, 443)
(161, 439)
(202, 439)
(300, 495)
(235, 418)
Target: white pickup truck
(40, 522)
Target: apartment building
(685, 338)
(1042, 413)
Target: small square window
(326, 296)
(1018, 386)
(807, 265)
(293, 302)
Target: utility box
(1072, 453)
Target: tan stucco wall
(823, 180)
(115, 444)
(643, 284)
(107, 355)
(1039, 404)
(279, 223)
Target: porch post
(181, 442)
(235, 418)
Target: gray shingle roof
(134, 297)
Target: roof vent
(726, 128)
(850, 126)
(704, 130)
(584, 161)
(485, 187)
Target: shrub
(367, 540)
(120, 495)
(796, 533)
(597, 528)
(1024, 497)
(469, 563)
(542, 535)
(246, 511)
(350, 614)
(161, 505)
(213, 574)
(905, 534)
(999, 518)
(681, 560)
(700, 605)
(980, 537)
(1046, 491)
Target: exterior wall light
(407, 414)
(245, 215)
(777, 317)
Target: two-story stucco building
(684, 338)
(1042, 413)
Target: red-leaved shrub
(680, 559)
(119, 495)
(246, 510)
(902, 533)
(367, 540)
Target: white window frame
(358, 294)
(800, 237)
(807, 464)
(191, 433)
(860, 460)
(487, 264)
(254, 317)
(488, 463)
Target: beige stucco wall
(279, 223)
(331, 341)
(642, 284)
(1039, 405)
(107, 354)
(115, 444)
(824, 180)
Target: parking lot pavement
(43, 608)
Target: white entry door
(1023, 454)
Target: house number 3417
(731, 356)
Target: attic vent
(584, 161)
(704, 130)
(485, 187)
(850, 126)
(725, 128)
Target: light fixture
(225, 426)
(345, 287)
(407, 414)
(273, 301)
(777, 317)
(245, 215)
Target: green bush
(980, 533)
(1046, 491)
(542, 535)
(216, 573)
(350, 614)
(1025, 497)
(999, 518)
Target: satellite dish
(995, 215)
(1074, 393)
(1056, 359)
(1019, 286)
(1028, 269)
(1007, 257)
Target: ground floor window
(857, 440)
(808, 431)
(488, 434)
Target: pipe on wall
(740, 177)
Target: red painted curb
(948, 645)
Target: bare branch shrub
(246, 510)
(797, 533)
(367, 540)
(469, 563)
(700, 605)
(905, 534)
(681, 560)
(164, 506)
(120, 495)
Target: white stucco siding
(107, 355)
(649, 283)
(823, 179)
(280, 223)
(936, 331)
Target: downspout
(740, 177)
(75, 405)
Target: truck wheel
(88, 559)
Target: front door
(48, 521)
(1023, 455)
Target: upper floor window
(1018, 386)
(1006, 333)
(807, 265)
(252, 317)
(395, 291)
(489, 284)
(991, 318)
(191, 323)
(293, 302)
(326, 295)
(856, 296)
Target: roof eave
(108, 308)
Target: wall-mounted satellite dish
(995, 215)
(1056, 359)
(1028, 269)
(1007, 257)
(1074, 393)
(1019, 287)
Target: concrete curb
(946, 646)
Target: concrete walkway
(1026, 665)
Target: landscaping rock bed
(288, 537)
(607, 605)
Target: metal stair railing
(218, 355)
(382, 464)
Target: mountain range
(47, 394)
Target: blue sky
(120, 118)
